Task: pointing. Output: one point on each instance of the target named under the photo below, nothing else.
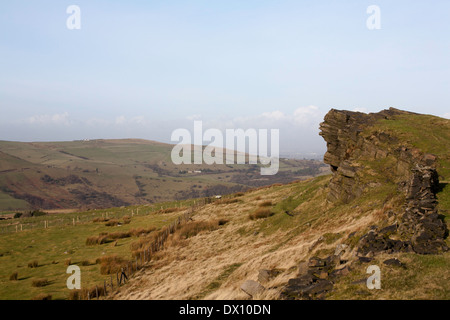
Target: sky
(141, 69)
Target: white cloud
(55, 119)
(302, 117)
(357, 109)
(120, 120)
(274, 115)
(310, 115)
(446, 115)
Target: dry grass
(43, 296)
(94, 240)
(126, 219)
(87, 293)
(14, 276)
(111, 264)
(85, 263)
(112, 223)
(75, 295)
(261, 213)
(110, 237)
(191, 229)
(143, 243)
(226, 201)
(42, 282)
(170, 210)
(266, 203)
(33, 264)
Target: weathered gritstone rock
(342, 132)
(252, 288)
(315, 279)
(420, 227)
(421, 220)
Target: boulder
(252, 287)
(267, 275)
(394, 262)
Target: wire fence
(129, 268)
(71, 219)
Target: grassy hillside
(112, 173)
(267, 228)
(430, 134)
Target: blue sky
(141, 69)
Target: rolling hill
(113, 173)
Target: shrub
(118, 235)
(94, 292)
(126, 220)
(14, 276)
(75, 295)
(266, 203)
(193, 228)
(85, 263)
(226, 201)
(169, 210)
(261, 213)
(38, 213)
(111, 264)
(101, 239)
(143, 243)
(112, 223)
(43, 296)
(141, 231)
(33, 264)
(39, 282)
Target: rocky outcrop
(315, 278)
(345, 144)
(414, 172)
(352, 150)
(421, 221)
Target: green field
(53, 247)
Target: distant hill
(112, 173)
